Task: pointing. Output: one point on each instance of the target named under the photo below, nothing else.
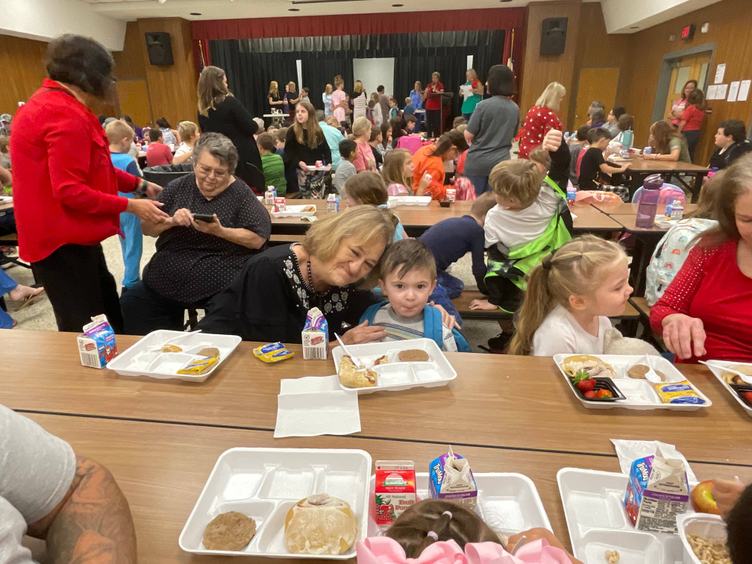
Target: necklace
(310, 276)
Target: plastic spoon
(745, 377)
(355, 360)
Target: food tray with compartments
(395, 201)
(710, 527)
(638, 394)
(507, 502)
(736, 390)
(144, 358)
(306, 210)
(396, 375)
(264, 483)
(597, 521)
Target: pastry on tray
(320, 524)
(592, 365)
(353, 377)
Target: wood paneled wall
(22, 61)
(730, 32)
(540, 70)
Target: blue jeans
(440, 297)
(7, 284)
(480, 183)
(451, 284)
(131, 244)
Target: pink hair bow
(383, 550)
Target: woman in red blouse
(706, 310)
(691, 120)
(433, 105)
(65, 189)
(540, 118)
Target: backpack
(669, 193)
(410, 142)
(432, 326)
(670, 254)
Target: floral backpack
(670, 254)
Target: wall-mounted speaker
(159, 47)
(553, 36)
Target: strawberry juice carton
(395, 489)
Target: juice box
(657, 491)
(394, 490)
(97, 346)
(315, 335)
(451, 479)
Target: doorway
(694, 67)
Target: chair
(163, 175)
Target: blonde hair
(364, 223)
(393, 170)
(518, 179)
(551, 96)
(187, 130)
(117, 130)
(273, 87)
(361, 126)
(367, 188)
(446, 519)
(358, 87)
(310, 133)
(328, 88)
(211, 89)
(575, 269)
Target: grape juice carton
(451, 479)
(394, 489)
(657, 491)
(97, 346)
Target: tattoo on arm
(92, 524)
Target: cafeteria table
(496, 401)
(639, 168)
(162, 468)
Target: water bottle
(571, 193)
(627, 138)
(646, 209)
(270, 195)
(677, 210)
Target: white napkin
(313, 406)
(629, 451)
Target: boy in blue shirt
(120, 135)
(407, 278)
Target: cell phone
(205, 217)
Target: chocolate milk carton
(657, 492)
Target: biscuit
(229, 531)
(413, 355)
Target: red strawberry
(586, 385)
(747, 396)
(590, 395)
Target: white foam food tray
(143, 358)
(639, 394)
(705, 525)
(395, 375)
(718, 373)
(264, 483)
(395, 201)
(307, 210)
(508, 503)
(597, 521)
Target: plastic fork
(355, 359)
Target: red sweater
(433, 102)
(538, 121)
(711, 287)
(158, 154)
(693, 116)
(64, 185)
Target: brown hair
(625, 122)
(211, 89)
(483, 205)
(281, 134)
(393, 170)
(572, 270)
(81, 62)
(448, 140)
(266, 142)
(365, 223)
(406, 255)
(662, 132)
(367, 188)
(309, 133)
(448, 520)
(696, 98)
(540, 155)
(518, 179)
(735, 181)
(117, 130)
(4, 142)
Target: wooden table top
(497, 401)
(641, 165)
(162, 469)
(626, 208)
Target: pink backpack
(464, 188)
(410, 142)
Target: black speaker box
(159, 47)
(553, 36)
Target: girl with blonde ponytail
(570, 297)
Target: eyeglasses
(208, 171)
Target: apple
(702, 498)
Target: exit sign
(687, 32)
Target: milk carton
(315, 335)
(657, 492)
(97, 346)
(394, 489)
(451, 479)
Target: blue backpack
(432, 326)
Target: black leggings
(433, 122)
(79, 286)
